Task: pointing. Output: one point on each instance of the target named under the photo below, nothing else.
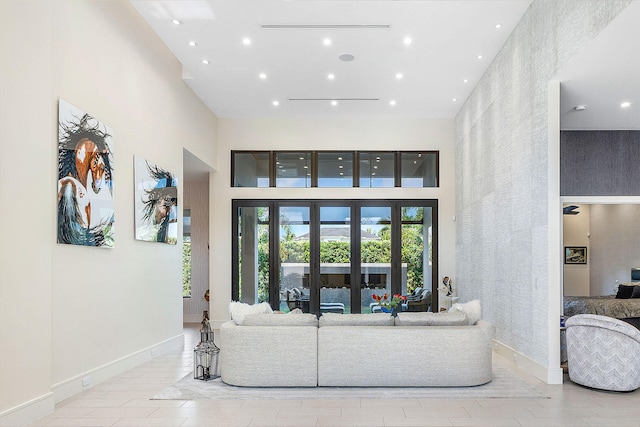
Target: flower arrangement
(389, 304)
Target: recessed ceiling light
(205, 61)
(193, 43)
(275, 103)
(340, 167)
(399, 76)
(479, 56)
(331, 76)
(465, 81)
(392, 102)
(625, 105)
(346, 57)
(334, 103)
(326, 42)
(339, 158)
(407, 41)
(301, 158)
(246, 41)
(176, 22)
(341, 173)
(580, 107)
(454, 99)
(263, 76)
(498, 25)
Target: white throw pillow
(239, 309)
(471, 309)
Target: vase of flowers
(388, 305)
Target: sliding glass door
(324, 256)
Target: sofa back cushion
(304, 319)
(373, 319)
(432, 319)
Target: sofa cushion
(304, 319)
(239, 310)
(636, 292)
(471, 309)
(373, 319)
(432, 319)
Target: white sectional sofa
(355, 350)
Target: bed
(603, 305)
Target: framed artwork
(85, 179)
(156, 204)
(575, 254)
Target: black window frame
(313, 155)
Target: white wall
(68, 312)
(196, 198)
(615, 231)
(575, 232)
(28, 186)
(325, 134)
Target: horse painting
(157, 193)
(85, 184)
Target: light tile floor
(124, 401)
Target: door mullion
(356, 271)
(396, 249)
(314, 258)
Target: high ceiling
(604, 75)
(434, 45)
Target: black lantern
(205, 355)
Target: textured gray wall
(502, 167)
(600, 163)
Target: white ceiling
(447, 37)
(602, 76)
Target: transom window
(372, 169)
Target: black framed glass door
(333, 255)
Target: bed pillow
(624, 291)
(239, 310)
(636, 292)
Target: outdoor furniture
(422, 303)
(603, 352)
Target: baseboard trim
(549, 376)
(86, 380)
(28, 412)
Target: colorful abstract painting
(156, 205)
(85, 179)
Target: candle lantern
(206, 354)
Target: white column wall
(325, 134)
(28, 189)
(70, 312)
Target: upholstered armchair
(603, 352)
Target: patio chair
(423, 303)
